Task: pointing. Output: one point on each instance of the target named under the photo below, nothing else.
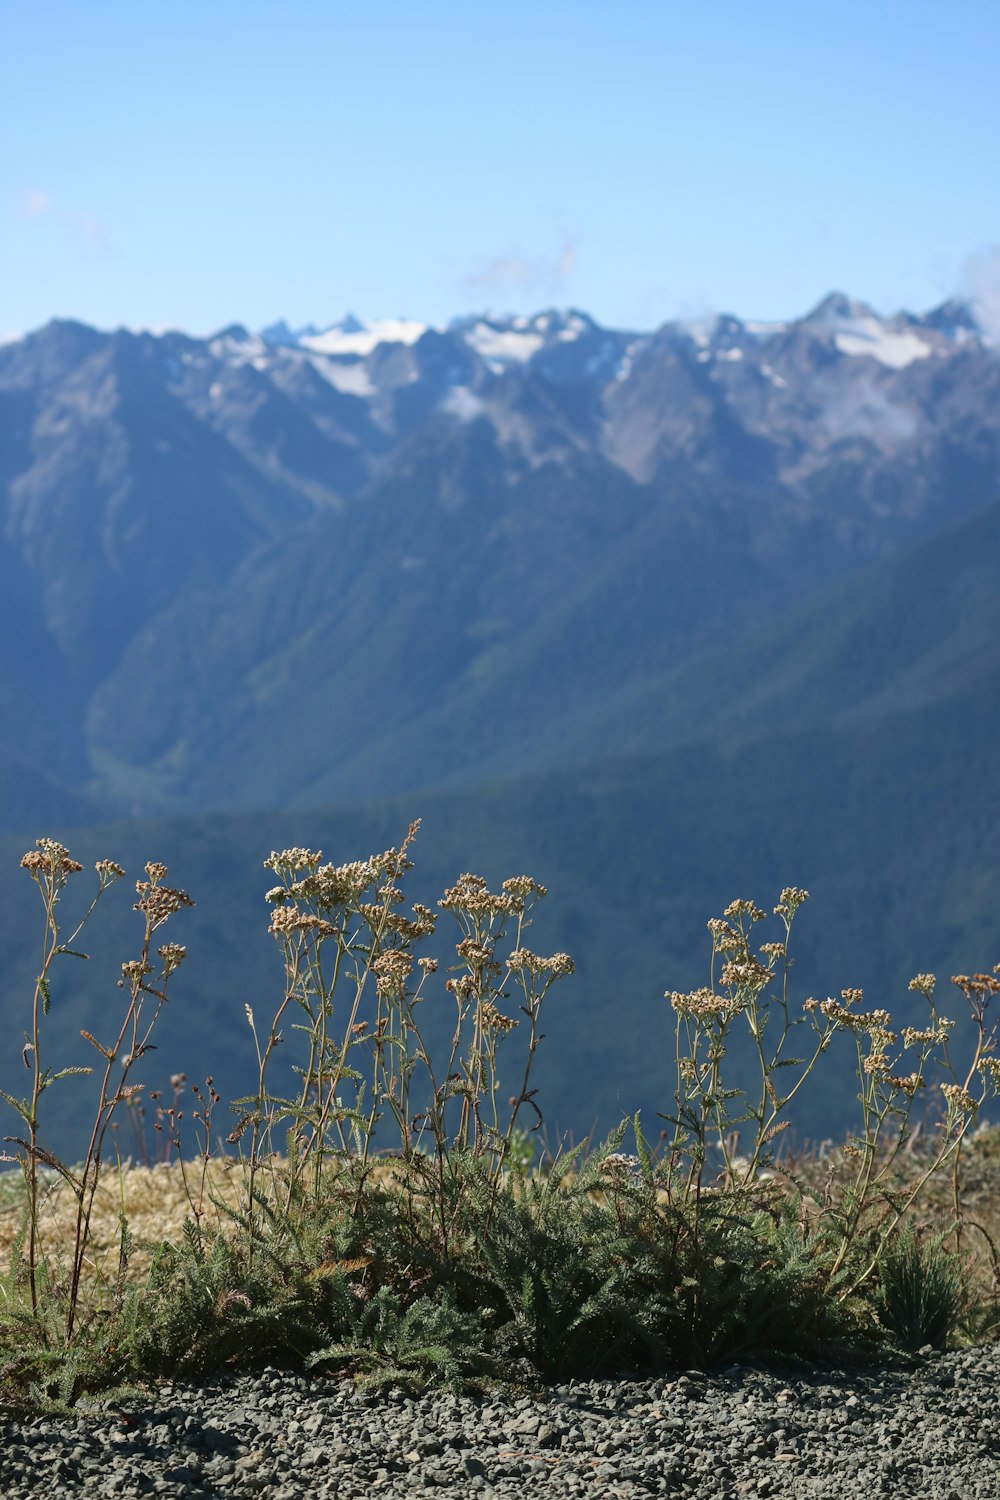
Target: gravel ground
(931, 1432)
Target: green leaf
(66, 1073)
(22, 1106)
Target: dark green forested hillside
(891, 822)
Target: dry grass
(156, 1203)
(974, 1228)
(157, 1200)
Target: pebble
(927, 1432)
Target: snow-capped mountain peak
(856, 329)
(357, 338)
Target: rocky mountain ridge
(219, 553)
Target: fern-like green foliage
(431, 1342)
(758, 1280)
(206, 1307)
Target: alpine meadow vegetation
(392, 1214)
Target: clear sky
(200, 162)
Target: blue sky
(203, 162)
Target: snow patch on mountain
(701, 331)
(502, 346)
(238, 347)
(893, 348)
(778, 381)
(462, 403)
(362, 341)
(349, 377)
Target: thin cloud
(504, 273)
(566, 262)
(91, 229)
(36, 203)
(981, 286)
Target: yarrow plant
(354, 979)
(389, 1212)
(749, 988)
(144, 983)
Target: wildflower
(409, 929)
(134, 972)
(976, 987)
(463, 988)
(745, 973)
(50, 858)
(494, 1019)
(959, 1099)
(173, 955)
(909, 1084)
(478, 956)
(700, 1005)
(519, 888)
(876, 1062)
(429, 965)
(923, 984)
(289, 919)
(772, 951)
(158, 902)
(874, 1023)
(472, 895)
(927, 1036)
(621, 1164)
(523, 959)
(744, 909)
(342, 886)
(725, 938)
(287, 861)
(392, 970)
(381, 920)
(108, 870)
(789, 902)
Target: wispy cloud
(514, 272)
(36, 203)
(565, 262)
(980, 284)
(91, 229)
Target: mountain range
(665, 617)
(258, 574)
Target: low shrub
(388, 1218)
